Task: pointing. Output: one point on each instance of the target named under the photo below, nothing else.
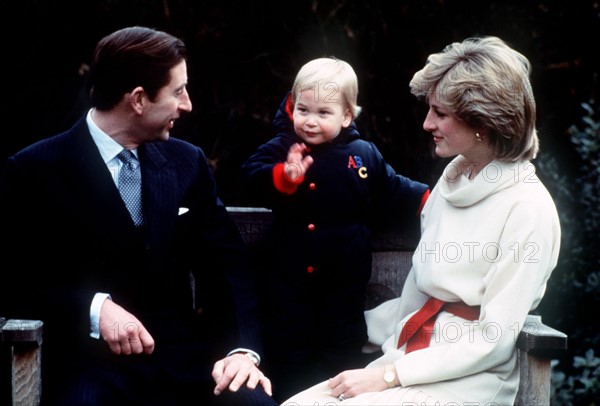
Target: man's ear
(137, 99)
(347, 118)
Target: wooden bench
(392, 259)
(392, 256)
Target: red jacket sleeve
(423, 200)
(282, 182)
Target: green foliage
(587, 145)
(575, 285)
(586, 139)
(580, 388)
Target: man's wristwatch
(390, 376)
(253, 358)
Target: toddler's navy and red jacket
(314, 289)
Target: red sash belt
(418, 329)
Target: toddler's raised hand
(298, 161)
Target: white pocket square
(183, 210)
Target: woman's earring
(479, 138)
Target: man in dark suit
(142, 304)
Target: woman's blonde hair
(485, 83)
(332, 79)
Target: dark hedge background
(245, 54)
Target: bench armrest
(24, 337)
(536, 338)
(17, 331)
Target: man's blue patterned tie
(130, 186)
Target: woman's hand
(356, 381)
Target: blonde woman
(490, 240)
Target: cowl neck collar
(460, 191)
